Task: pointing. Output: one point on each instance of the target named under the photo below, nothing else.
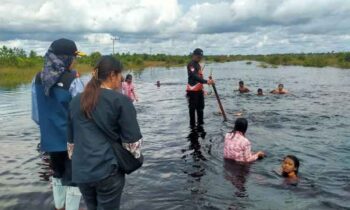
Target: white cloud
(237, 26)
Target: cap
(198, 51)
(65, 47)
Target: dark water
(184, 170)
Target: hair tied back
(95, 73)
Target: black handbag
(126, 161)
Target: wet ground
(184, 169)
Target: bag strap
(108, 137)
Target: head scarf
(54, 66)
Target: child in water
(260, 92)
(128, 88)
(237, 147)
(279, 90)
(242, 88)
(290, 167)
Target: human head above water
(260, 91)
(128, 78)
(197, 55)
(241, 83)
(280, 87)
(107, 72)
(241, 125)
(290, 164)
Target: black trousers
(195, 105)
(61, 166)
(104, 194)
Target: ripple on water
(186, 171)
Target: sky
(179, 26)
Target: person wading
(98, 116)
(195, 94)
(52, 90)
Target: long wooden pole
(218, 99)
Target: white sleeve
(35, 111)
(76, 87)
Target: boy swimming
(280, 90)
(242, 88)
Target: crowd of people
(91, 132)
(237, 147)
(279, 90)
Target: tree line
(17, 57)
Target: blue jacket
(51, 112)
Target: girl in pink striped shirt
(237, 146)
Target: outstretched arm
(248, 156)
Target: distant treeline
(18, 67)
(338, 60)
(16, 57)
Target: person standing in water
(52, 90)
(237, 147)
(280, 90)
(99, 115)
(129, 88)
(242, 88)
(195, 94)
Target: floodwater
(184, 169)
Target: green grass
(337, 60)
(12, 77)
(16, 67)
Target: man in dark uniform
(194, 88)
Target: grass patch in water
(17, 67)
(12, 77)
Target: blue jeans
(104, 194)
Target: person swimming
(260, 92)
(280, 90)
(237, 147)
(242, 88)
(290, 167)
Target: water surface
(185, 170)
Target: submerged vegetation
(338, 60)
(18, 67)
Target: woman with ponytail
(97, 116)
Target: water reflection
(195, 149)
(237, 174)
(313, 124)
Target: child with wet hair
(260, 92)
(280, 90)
(237, 146)
(242, 88)
(290, 167)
